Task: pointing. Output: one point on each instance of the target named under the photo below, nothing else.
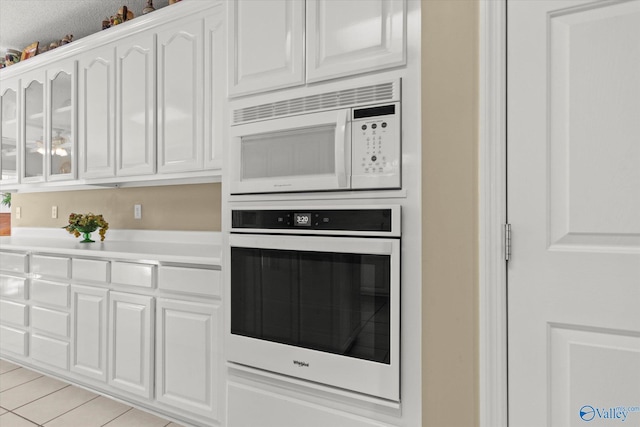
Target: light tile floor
(29, 399)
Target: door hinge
(507, 242)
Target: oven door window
(332, 302)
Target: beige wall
(450, 212)
(178, 207)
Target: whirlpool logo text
(619, 413)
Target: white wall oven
(345, 140)
(315, 294)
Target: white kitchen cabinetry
(33, 125)
(131, 343)
(89, 331)
(215, 84)
(266, 45)
(61, 125)
(180, 96)
(96, 112)
(136, 105)
(9, 131)
(353, 36)
(188, 355)
(267, 40)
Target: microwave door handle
(341, 148)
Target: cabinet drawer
(13, 340)
(13, 262)
(51, 321)
(13, 312)
(128, 273)
(50, 293)
(189, 280)
(13, 287)
(50, 351)
(90, 270)
(50, 266)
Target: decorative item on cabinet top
(86, 224)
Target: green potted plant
(6, 199)
(86, 224)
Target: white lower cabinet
(130, 343)
(188, 351)
(89, 331)
(271, 409)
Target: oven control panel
(325, 219)
(375, 147)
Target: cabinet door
(353, 36)
(61, 109)
(214, 89)
(89, 331)
(188, 356)
(180, 96)
(130, 343)
(136, 105)
(265, 45)
(96, 112)
(33, 126)
(9, 131)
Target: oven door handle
(354, 245)
(342, 148)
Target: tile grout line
(130, 408)
(18, 385)
(35, 400)
(84, 403)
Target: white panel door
(136, 106)
(9, 130)
(188, 351)
(574, 206)
(96, 112)
(181, 97)
(89, 331)
(131, 343)
(353, 36)
(266, 45)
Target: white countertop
(135, 245)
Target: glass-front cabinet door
(9, 131)
(34, 148)
(61, 125)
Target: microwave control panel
(375, 147)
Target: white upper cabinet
(180, 96)
(353, 36)
(136, 105)
(61, 126)
(96, 112)
(33, 126)
(267, 41)
(266, 45)
(9, 131)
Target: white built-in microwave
(351, 148)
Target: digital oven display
(302, 219)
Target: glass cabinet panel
(9, 133)
(34, 135)
(61, 126)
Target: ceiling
(23, 22)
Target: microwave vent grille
(324, 101)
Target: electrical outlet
(137, 211)
(54, 212)
(18, 212)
